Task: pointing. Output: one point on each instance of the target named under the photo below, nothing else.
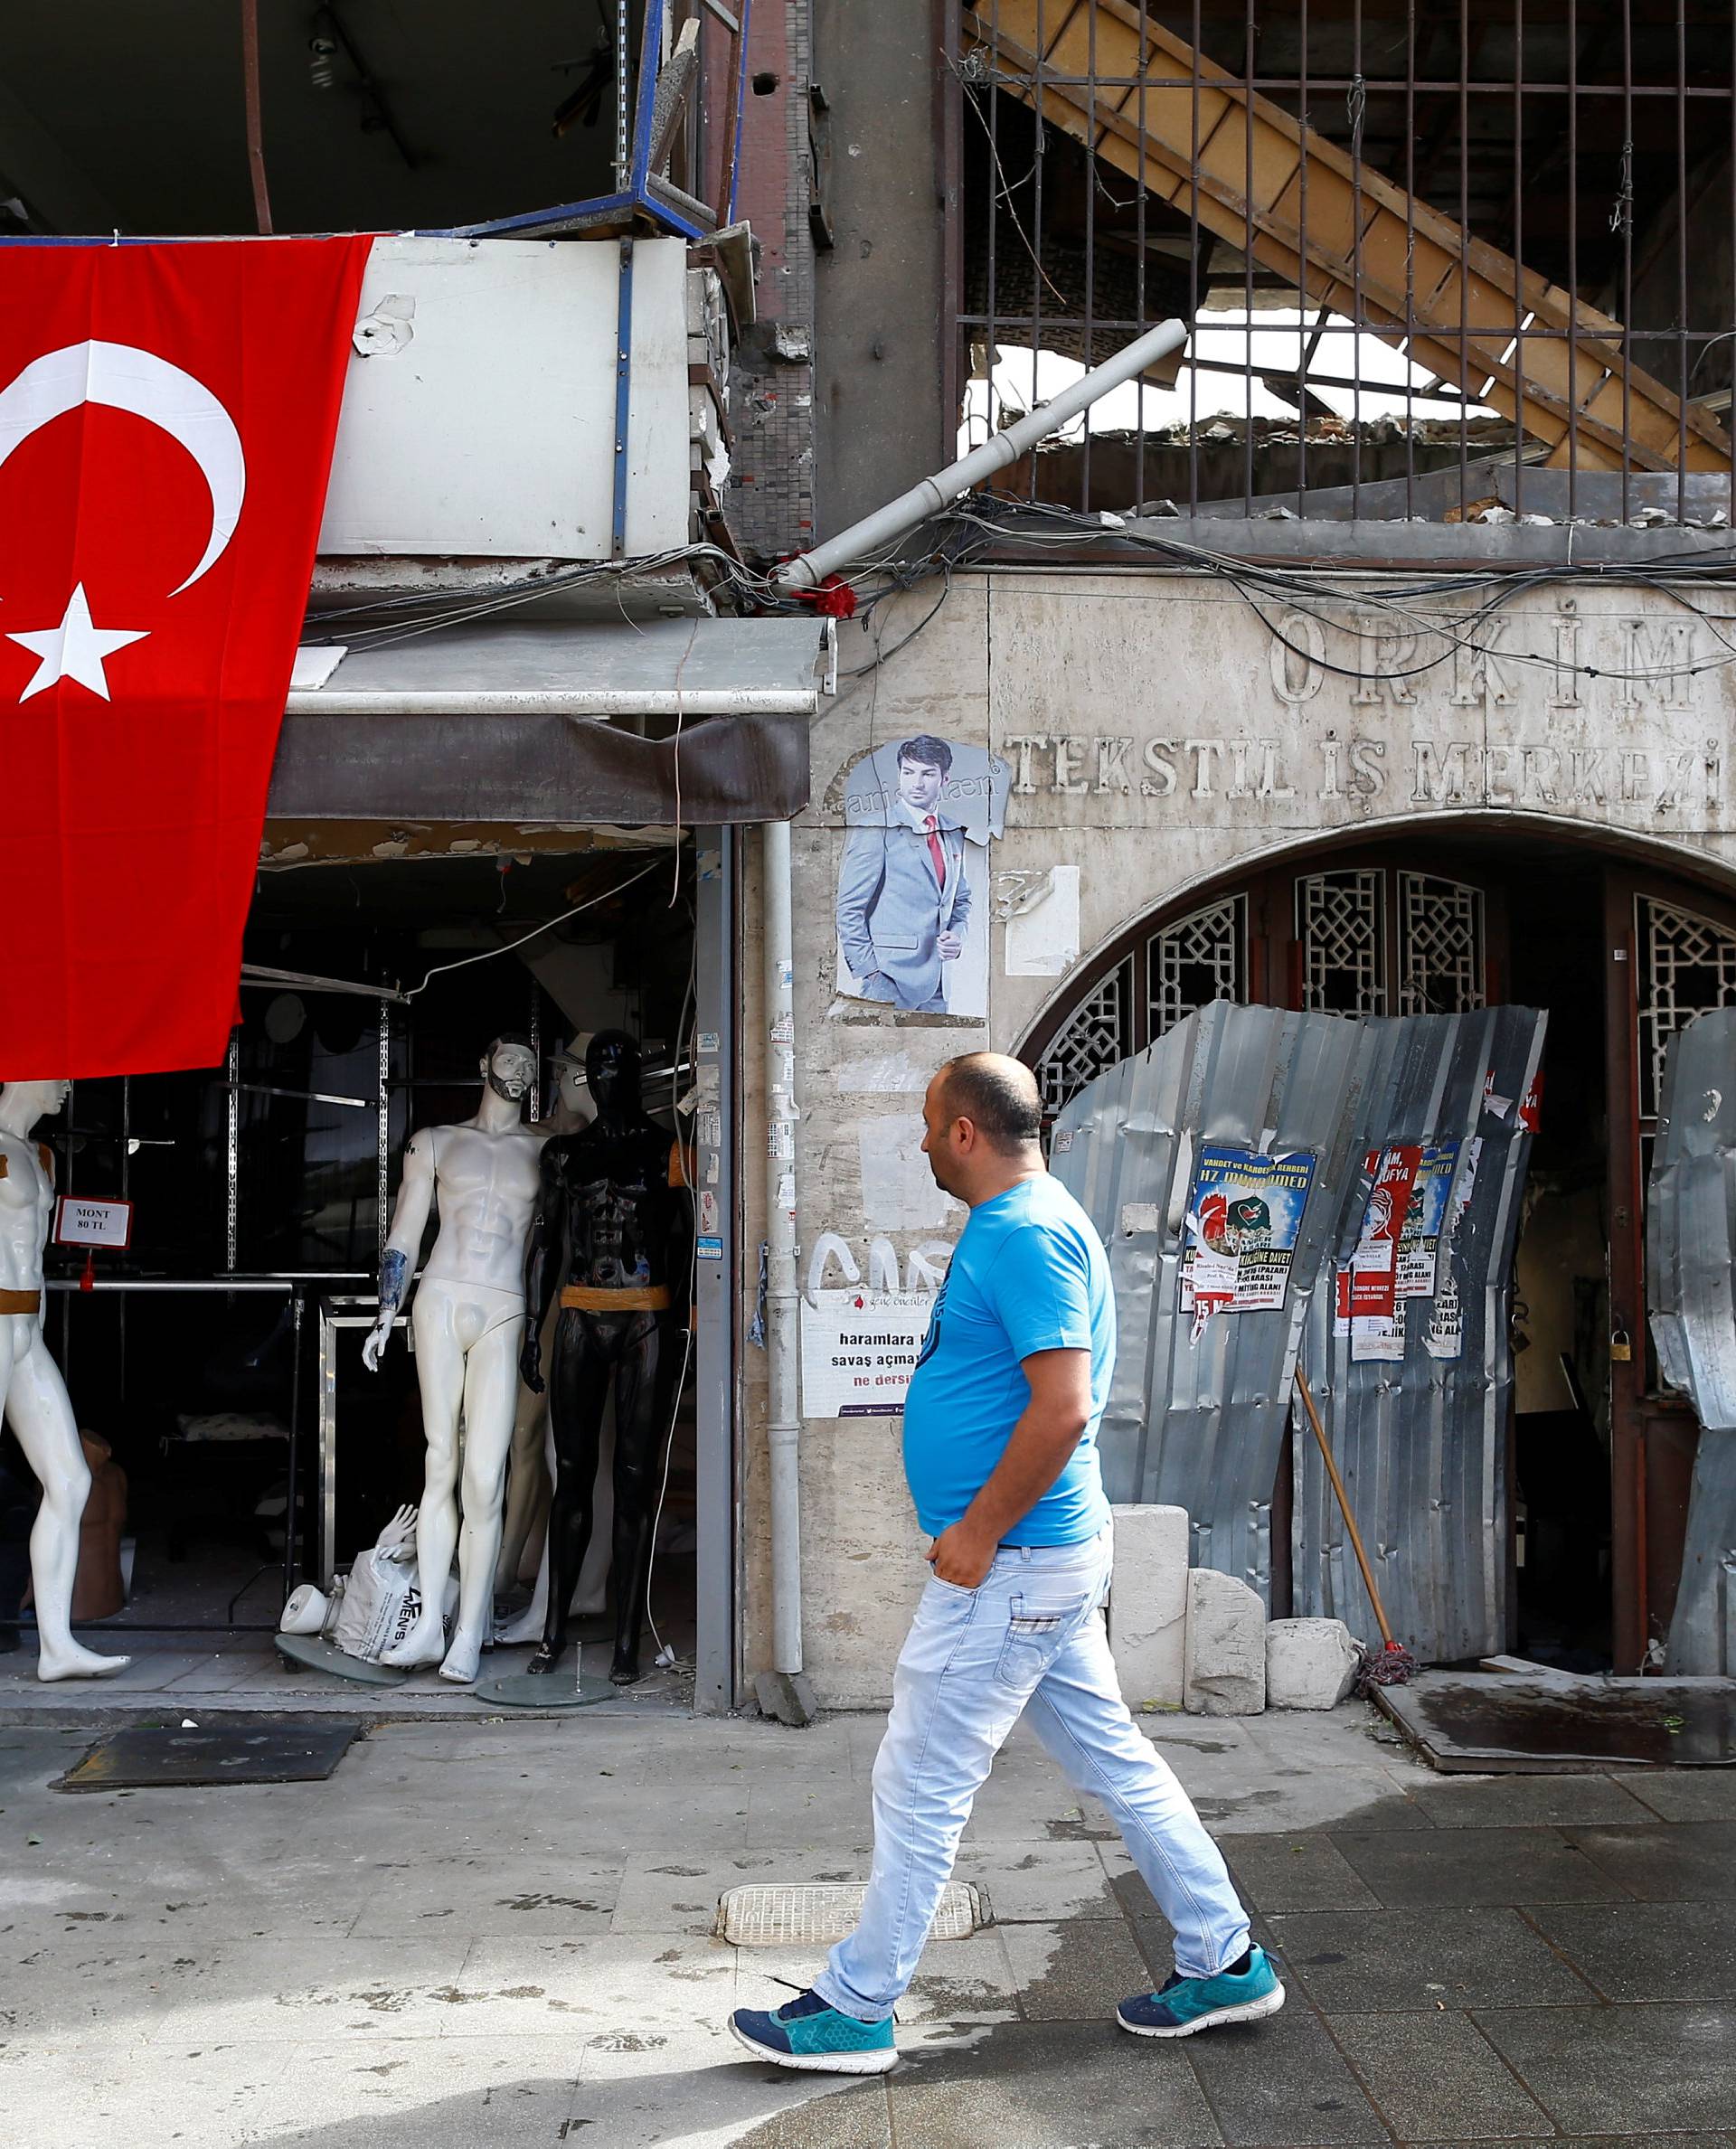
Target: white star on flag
(74, 649)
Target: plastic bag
(382, 1599)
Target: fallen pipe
(807, 570)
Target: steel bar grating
(816, 1913)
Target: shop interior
(257, 1225)
(1560, 1494)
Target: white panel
(478, 414)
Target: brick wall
(772, 400)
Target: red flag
(166, 418)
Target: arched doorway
(1622, 951)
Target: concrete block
(1148, 1604)
(1309, 1663)
(1225, 1673)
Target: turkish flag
(166, 418)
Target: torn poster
(1445, 1335)
(1378, 1335)
(1419, 1259)
(1374, 1262)
(1243, 1213)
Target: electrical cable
(690, 1002)
(488, 954)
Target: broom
(1395, 1665)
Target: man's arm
(861, 872)
(1036, 1454)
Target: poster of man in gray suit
(904, 890)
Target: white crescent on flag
(126, 378)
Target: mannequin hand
(397, 1540)
(950, 947)
(377, 1337)
(530, 1368)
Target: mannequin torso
(485, 1182)
(26, 1209)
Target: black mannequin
(613, 1234)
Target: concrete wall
(1159, 735)
(880, 423)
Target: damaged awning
(699, 722)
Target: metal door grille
(1687, 965)
(1196, 960)
(1341, 924)
(1441, 964)
(1095, 1037)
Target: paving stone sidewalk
(501, 1932)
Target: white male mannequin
(37, 1407)
(468, 1324)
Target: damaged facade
(1371, 666)
(1365, 666)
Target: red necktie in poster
(166, 418)
(937, 851)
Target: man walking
(903, 901)
(1000, 1451)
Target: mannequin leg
(592, 1594)
(41, 1414)
(640, 1417)
(440, 1374)
(528, 1625)
(523, 1486)
(528, 1478)
(584, 1346)
(490, 1391)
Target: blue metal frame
(637, 199)
(639, 196)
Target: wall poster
(1245, 1211)
(912, 893)
(859, 1350)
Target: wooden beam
(1363, 249)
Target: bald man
(1000, 1451)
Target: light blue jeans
(1029, 1639)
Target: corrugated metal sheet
(1689, 1245)
(1201, 1426)
(1421, 1442)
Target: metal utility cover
(814, 1914)
(1509, 1726)
(283, 1750)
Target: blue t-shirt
(1028, 1274)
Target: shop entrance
(1621, 956)
(218, 1358)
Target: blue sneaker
(805, 2032)
(1189, 2004)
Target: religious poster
(1374, 1262)
(859, 1350)
(1244, 1211)
(913, 894)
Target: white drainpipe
(892, 522)
(782, 1300)
(783, 1692)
